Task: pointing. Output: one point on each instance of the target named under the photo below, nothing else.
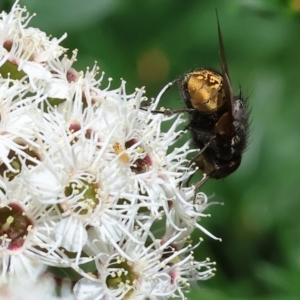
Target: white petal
(86, 289)
(35, 70)
(58, 89)
(71, 234)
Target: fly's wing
(226, 80)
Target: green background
(149, 43)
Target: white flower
(21, 234)
(179, 261)
(21, 44)
(133, 276)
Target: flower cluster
(87, 183)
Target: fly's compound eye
(204, 89)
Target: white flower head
(87, 175)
